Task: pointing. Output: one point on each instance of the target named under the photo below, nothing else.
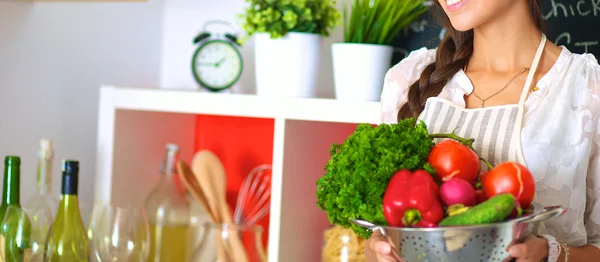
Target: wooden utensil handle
(222, 255)
(238, 252)
(237, 247)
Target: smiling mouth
(455, 4)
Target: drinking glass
(119, 234)
(24, 232)
(216, 244)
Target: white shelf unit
(134, 124)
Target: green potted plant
(361, 61)
(288, 36)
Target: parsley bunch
(359, 170)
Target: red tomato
(510, 177)
(453, 159)
(482, 175)
(480, 195)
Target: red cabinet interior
(241, 144)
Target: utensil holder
(215, 243)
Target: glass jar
(342, 245)
(168, 213)
(198, 218)
(219, 241)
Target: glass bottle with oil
(168, 213)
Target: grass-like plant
(379, 21)
(279, 17)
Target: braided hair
(452, 55)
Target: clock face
(217, 65)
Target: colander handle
(373, 227)
(369, 225)
(544, 214)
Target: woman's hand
(533, 249)
(377, 249)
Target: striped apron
(496, 129)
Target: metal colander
(480, 243)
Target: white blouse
(560, 135)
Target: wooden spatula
(219, 180)
(211, 175)
(192, 185)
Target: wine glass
(24, 231)
(119, 234)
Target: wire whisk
(254, 201)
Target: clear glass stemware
(119, 234)
(216, 243)
(24, 232)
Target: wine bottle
(168, 213)
(12, 184)
(10, 247)
(67, 240)
(42, 198)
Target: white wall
(185, 18)
(53, 58)
(55, 55)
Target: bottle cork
(46, 145)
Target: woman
(497, 79)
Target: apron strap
(519, 122)
(534, 65)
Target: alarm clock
(217, 63)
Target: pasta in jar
(342, 245)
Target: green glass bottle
(12, 184)
(16, 228)
(67, 241)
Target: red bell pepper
(411, 199)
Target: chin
(462, 25)
(467, 14)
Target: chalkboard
(572, 23)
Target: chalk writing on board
(570, 23)
(573, 9)
(565, 39)
(416, 26)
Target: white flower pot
(288, 66)
(359, 70)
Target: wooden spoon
(210, 173)
(206, 186)
(191, 183)
(219, 178)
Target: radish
(458, 191)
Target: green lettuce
(359, 170)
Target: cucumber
(495, 209)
